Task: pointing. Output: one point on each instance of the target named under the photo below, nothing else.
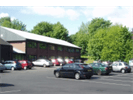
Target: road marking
(10, 91)
(91, 81)
(114, 80)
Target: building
(6, 50)
(32, 46)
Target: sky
(71, 17)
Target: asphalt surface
(41, 80)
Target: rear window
(125, 63)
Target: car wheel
(129, 71)
(99, 72)
(44, 65)
(1, 71)
(57, 75)
(77, 76)
(107, 73)
(123, 71)
(12, 68)
(25, 68)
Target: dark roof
(4, 42)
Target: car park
(99, 68)
(12, 65)
(68, 61)
(2, 67)
(42, 62)
(55, 62)
(121, 67)
(61, 61)
(131, 63)
(76, 70)
(25, 64)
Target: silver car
(42, 62)
(121, 66)
(2, 67)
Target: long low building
(32, 46)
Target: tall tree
(15, 24)
(43, 28)
(4, 19)
(60, 32)
(113, 43)
(96, 24)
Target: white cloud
(57, 12)
(121, 15)
(13, 18)
(4, 15)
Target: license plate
(109, 68)
(89, 70)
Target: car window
(125, 63)
(71, 66)
(66, 66)
(120, 64)
(85, 65)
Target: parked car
(61, 61)
(99, 68)
(25, 64)
(121, 66)
(76, 70)
(55, 62)
(2, 67)
(131, 63)
(12, 65)
(68, 61)
(42, 62)
(77, 60)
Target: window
(18, 57)
(32, 57)
(42, 46)
(42, 57)
(52, 47)
(66, 66)
(31, 44)
(77, 50)
(120, 64)
(65, 48)
(59, 48)
(71, 50)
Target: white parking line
(91, 81)
(115, 80)
(10, 91)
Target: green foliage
(81, 38)
(43, 28)
(51, 30)
(60, 32)
(113, 43)
(15, 24)
(96, 24)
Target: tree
(52, 30)
(60, 32)
(15, 24)
(4, 19)
(81, 38)
(43, 28)
(96, 24)
(113, 43)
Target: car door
(95, 67)
(114, 66)
(63, 70)
(70, 70)
(7, 65)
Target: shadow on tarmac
(5, 85)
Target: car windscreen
(103, 65)
(125, 63)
